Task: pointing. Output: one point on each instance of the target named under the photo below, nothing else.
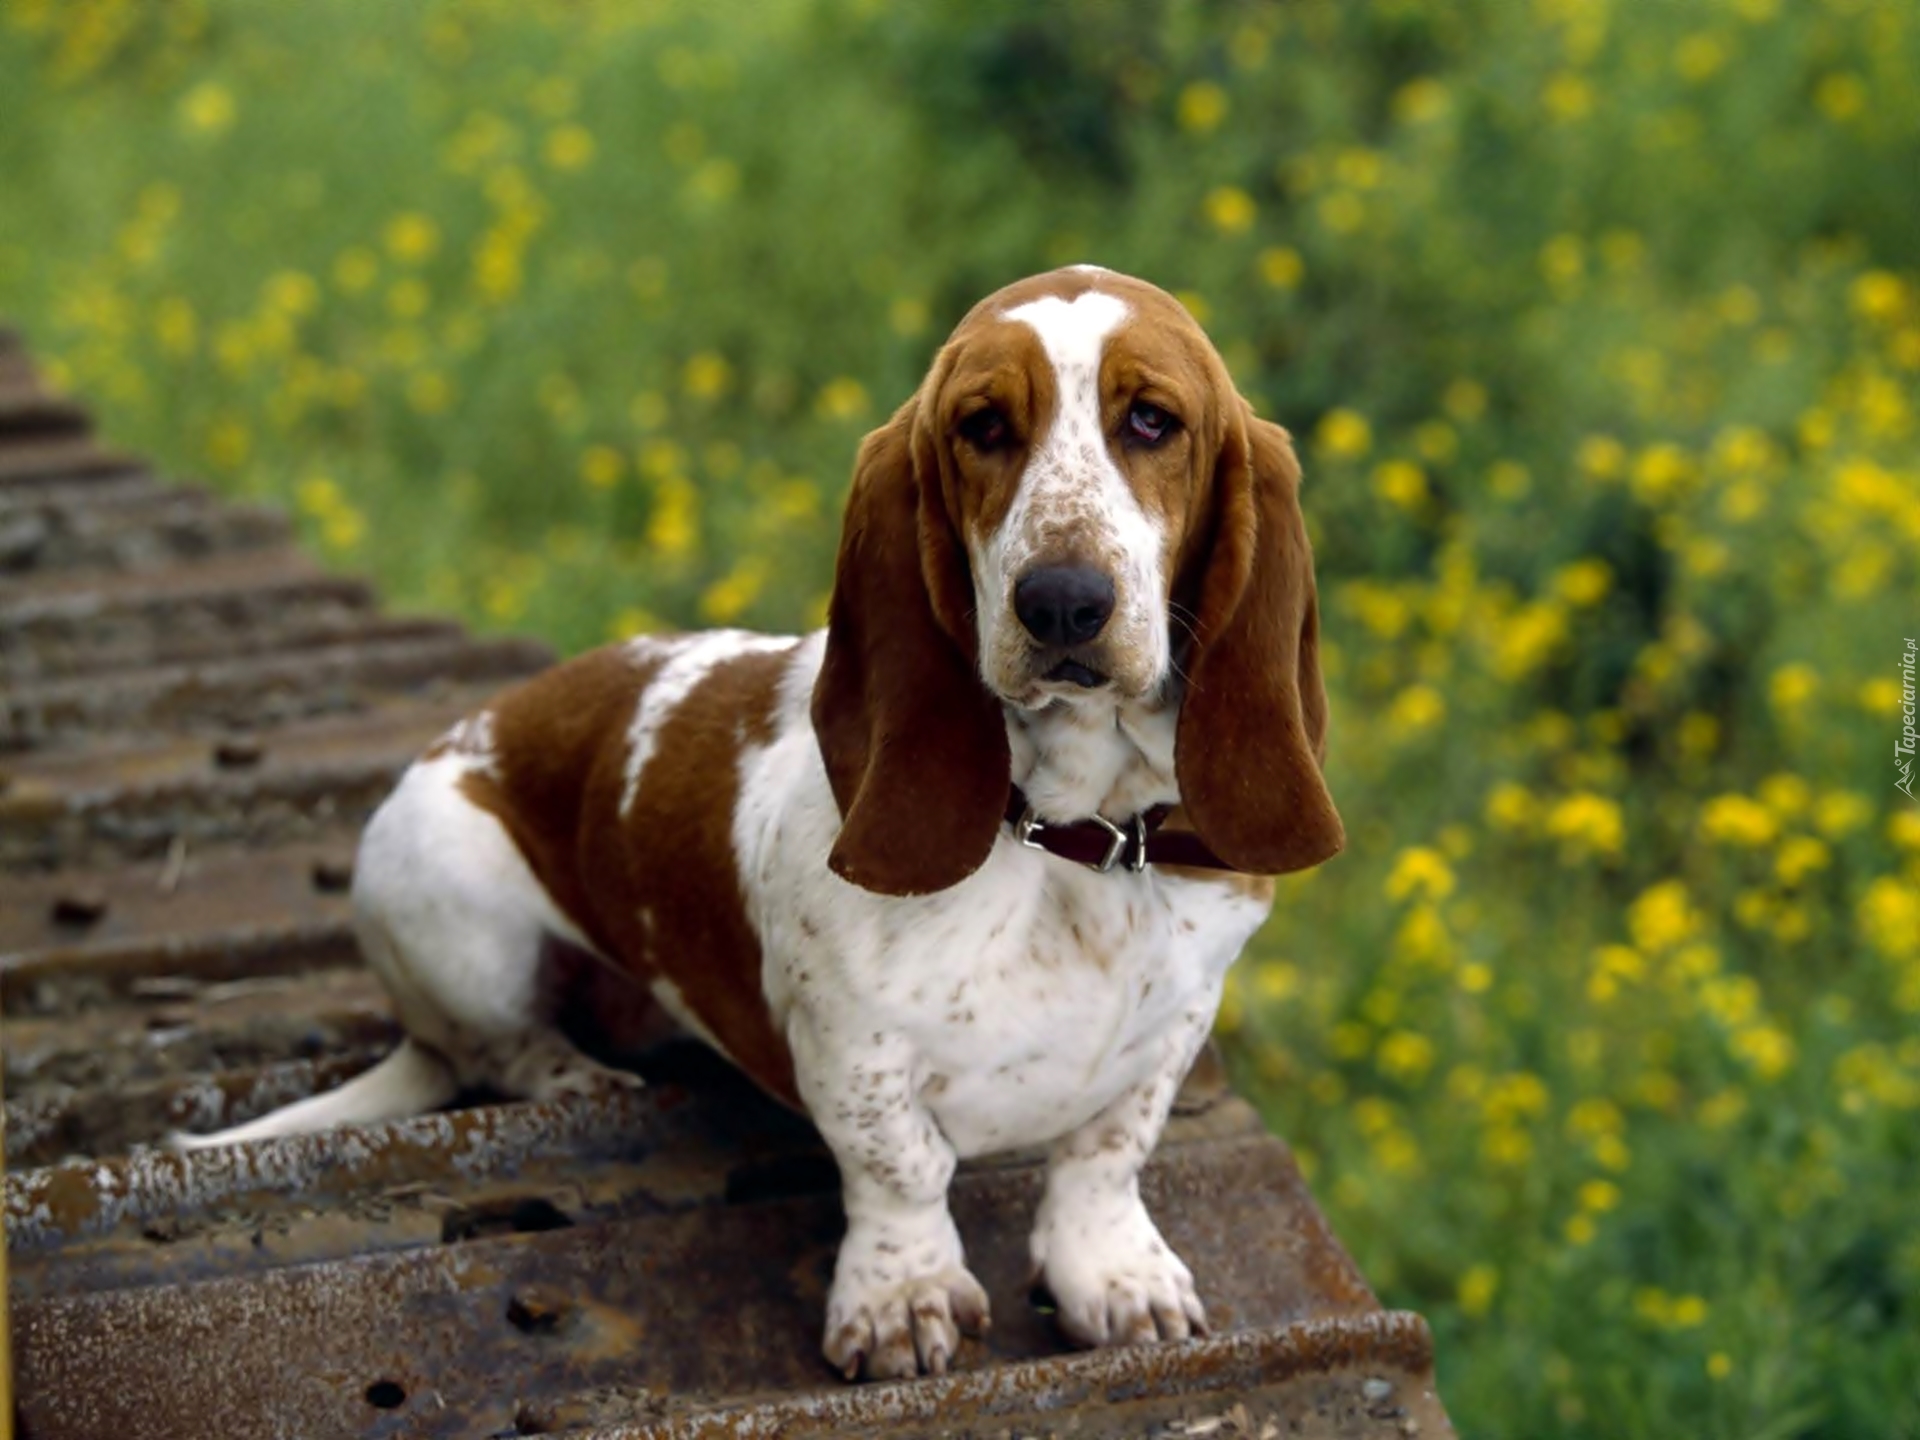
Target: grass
(1599, 326)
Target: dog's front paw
(1117, 1283)
(899, 1310)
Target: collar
(1103, 845)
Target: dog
(960, 873)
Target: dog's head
(1076, 503)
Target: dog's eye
(1148, 422)
(985, 429)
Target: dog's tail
(410, 1080)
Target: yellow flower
(673, 528)
(1840, 96)
(1529, 639)
(1584, 582)
(662, 459)
(649, 410)
(430, 393)
(1841, 812)
(1465, 400)
(1880, 696)
(842, 399)
(318, 496)
(176, 327)
(1275, 980)
(1599, 1196)
(908, 316)
(1699, 735)
(1437, 441)
(1611, 965)
(1405, 1056)
(1699, 57)
(1416, 708)
(355, 270)
(1401, 483)
(1765, 1049)
(707, 376)
(1477, 1288)
(1792, 686)
(1282, 267)
(208, 108)
(293, 292)
(1563, 261)
(1586, 823)
(1662, 916)
(1202, 106)
(1878, 295)
(728, 596)
(408, 299)
(1601, 456)
(1195, 305)
(1719, 1365)
(1420, 101)
(1344, 434)
(569, 147)
(1903, 827)
(1889, 917)
(1342, 212)
(1660, 473)
(412, 237)
(1511, 806)
(1738, 305)
(1567, 97)
(1509, 479)
(1737, 820)
(1799, 857)
(1423, 939)
(229, 443)
(600, 466)
(1723, 1109)
(1230, 209)
(1359, 167)
(1423, 871)
(1580, 1230)
(1611, 1153)
(343, 529)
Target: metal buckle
(1134, 835)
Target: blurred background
(1598, 322)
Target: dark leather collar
(1102, 845)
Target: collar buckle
(1128, 843)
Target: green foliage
(1597, 321)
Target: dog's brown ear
(915, 744)
(1253, 725)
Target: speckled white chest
(1021, 1002)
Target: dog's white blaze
(690, 660)
(1072, 481)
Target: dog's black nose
(1063, 604)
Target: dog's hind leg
(455, 923)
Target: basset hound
(963, 871)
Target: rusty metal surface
(194, 722)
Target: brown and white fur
(800, 844)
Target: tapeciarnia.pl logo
(1904, 746)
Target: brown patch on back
(673, 857)
(559, 765)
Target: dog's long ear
(1253, 726)
(915, 745)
